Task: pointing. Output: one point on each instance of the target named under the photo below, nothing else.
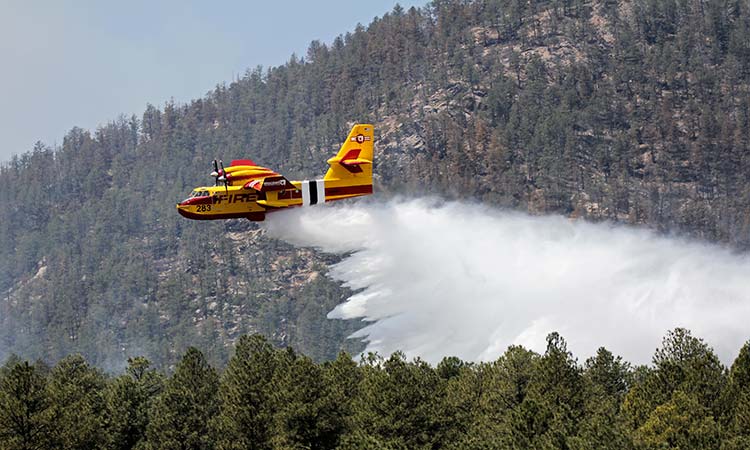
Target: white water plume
(450, 279)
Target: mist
(436, 279)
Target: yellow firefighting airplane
(246, 190)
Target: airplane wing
(268, 183)
(253, 176)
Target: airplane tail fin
(353, 162)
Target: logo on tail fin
(360, 138)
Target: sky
(83, 63)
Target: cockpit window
(193, 194)
(204, 194)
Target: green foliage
(77, 404)
(606, 381)
(607, 375)
(483, 402)
(248, 394)
(128, 399)
(25, 409)
(736, 401)
(399, 404)
(550, 411)
(310, 411)
(682, 422)
(683, 364)
(271, 398)
(179, 416)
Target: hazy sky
(82, 63)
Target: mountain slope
(630, 111)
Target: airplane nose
(181, 210)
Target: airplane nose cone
(181, 209)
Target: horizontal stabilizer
(352, 165)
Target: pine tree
(128, 399)
(605, 385)
(248, 391)
(682, 422)
(399, 405)
(736, 402)
(683, 364)
(549, 413)
(309, 413)
(483, 402)
(25, 419)
(77, 403)
(180, 415)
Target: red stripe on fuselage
(197, 216)
(204, 200)
(349, 190)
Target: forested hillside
(634, 111)
(279, 399)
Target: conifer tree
(248, 391)
(483, 402)
(310, 411)
(737, 402)
(128, 399)
(683, 364)
(682, 422)
(25, 419)
(77, 404)
(399, 404)
(342, 377)
(549, 413)
(180, 415)
(605, 380)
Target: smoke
(452, 279)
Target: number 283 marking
(204, 208)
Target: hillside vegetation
(633, 111)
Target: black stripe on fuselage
(313, 186)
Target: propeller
(220, 175)
(223, 176)
(215, 173)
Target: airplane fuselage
(247, 190)
(218, 202)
